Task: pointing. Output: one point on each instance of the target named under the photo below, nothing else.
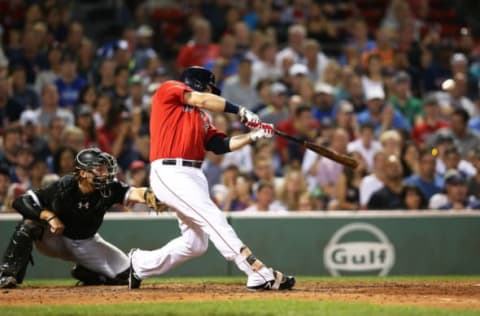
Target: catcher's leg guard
(89, 277)
(19, 250)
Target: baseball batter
(63, 220)
(181, 133)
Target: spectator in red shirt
(199, 50)
(302, 125)
(429, 123)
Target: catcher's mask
(102, 165)
(199, 78)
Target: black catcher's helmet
(101, 164)
(198, 78)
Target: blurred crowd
(400, 97)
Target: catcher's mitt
(152, 202)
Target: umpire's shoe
(7, 282)
(280, 283)
(133, 281)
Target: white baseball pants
(186, 190)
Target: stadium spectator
(295, 45)
(323, 102)
(240, 195)
(382, 116)
(327, 171)
(200, 49)
(4, 184)
(410, 156)
(301, 125)
(353, 92)
(63, 161)
(464, 138)
(276, 111)
(264, 66)
(20, 173)
(265, 200)
(426, 180)
(429, 123)
(12, 140)
(348, 186)
(10, 110)
(373, 181)
(239, 88)
(359, 36)
(69, 83)
(294, 186)
(21, 92)
(389, 197)
(413, 198)
(315, 60)
(456, 194)
(365, 144)
(142, 46)
(373, 78)
(49, 108)
(38, 170)
(402, 99)
(345, 118)
(474, 181)
(107, 76)
(226, 63)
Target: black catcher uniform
(97, 261)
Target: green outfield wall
(307, 243)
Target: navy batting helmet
(199, 78)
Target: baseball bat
(321, 150)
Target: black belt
(185, 163)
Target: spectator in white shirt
(374, 181)
(265, 200)
(366, 144)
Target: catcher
(63, 220)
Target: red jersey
(178, 130)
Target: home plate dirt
(451, 294)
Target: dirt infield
(453, 294)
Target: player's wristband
(231, 107)
(49, 219)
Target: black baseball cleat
(8, 282)
(133, 281)
(280, 283)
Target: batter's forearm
(237, 142)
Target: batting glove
(265, 131)
(249, 119)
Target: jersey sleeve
(45, 197)
(172, 92)
(119, 191)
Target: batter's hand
(152, 202)
(249, 119)
(265, 131)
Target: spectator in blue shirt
(426, 179)
(382, 116)
(69, 83)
